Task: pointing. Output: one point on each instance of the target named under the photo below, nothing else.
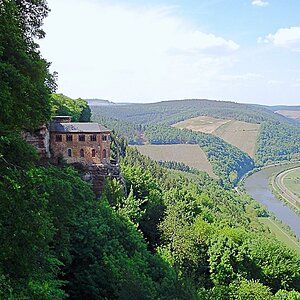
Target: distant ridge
(102, 102)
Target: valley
(183, 199)
(258, 186)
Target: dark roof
(77, 127)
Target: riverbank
(282, 192)
(276, 228)
(257, 185)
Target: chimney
(62, 119)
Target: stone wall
(62, 148)
(40, 140)
(96, 174)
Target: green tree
(251, 290)
(25, 81)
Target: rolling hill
(242, 135)
(231, 132)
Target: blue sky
(145, 51)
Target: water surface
(257, 185)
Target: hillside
(159, 234)
(240, 134)
(171, 112)
(191, 155)
(292, 114)
(132, 121)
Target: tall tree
(25, 80)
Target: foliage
(24, 96)
(64, 106)
(171, 112)
(278, 142)
(211, 236)
(228, 162)
(122, 129)
(175, 165)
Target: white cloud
(260, 3)
(284, 37)
(131, 52)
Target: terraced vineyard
(240, 134)
(191, 155)
(243, 135)
(203, 124)
(292, 114)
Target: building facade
(84, 143)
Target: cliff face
(40, 139)
(93, 172)
(96, 174)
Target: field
(292, 114)
(191, 155)
(281, 234)
(292, 182)
(240, 134)
(203, 124)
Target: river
(257, 185)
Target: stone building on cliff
(84, 144)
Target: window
(81, 153)
(93, 153)
(93, 138)
(81, 138)
(69, 138)
(58, 138)
(104, 137)
(104, 153)
(70, 152)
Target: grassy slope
(292, 114)
(203, 124)
(240, 134)
(292, 182)
(280, 233)
(243, 135)
(191, 155)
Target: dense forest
(171, 112)
(150, 123)
(175, 235)
(278, 142)
(228, 162)
(78, 109)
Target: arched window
(104, 153)
(81, 153)
(93, 153)
(70, 152)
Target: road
(290, 197)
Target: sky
(146, 51)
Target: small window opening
(69, 138)
(81, 138)
(93, 138)
(81, 153)
(93, 153)
(70, 152)
(104, 137)
(58, 138)
(104, 153)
